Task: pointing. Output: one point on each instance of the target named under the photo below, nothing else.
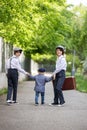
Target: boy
(59, 76)
(12, 68)
(40, 81)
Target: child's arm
(31, 76)
(48, 79)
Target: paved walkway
(27, 116)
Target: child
(59, 76)
(40, 80)
(12, 68)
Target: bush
(85, 67)
(81, 83)
(3, 91)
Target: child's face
(18, 54)
(58, 52)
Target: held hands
(53, 77)
(27, 73)
(6, 74)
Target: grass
(81, 83)
(3, 91)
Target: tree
(37, 26)
(78, 26)
(83, 40)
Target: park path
(27, 116)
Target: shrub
(85, 67)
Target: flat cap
(60, 47)
(17, 49)
(41, 70)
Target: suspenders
(10, 62)
(10, 67)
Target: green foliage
(85, 66)
(3, 91)
(70, 59)
(43, 58)
(78, 34)
(38, 26)
(81, 83)
(83, 39)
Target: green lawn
(81, 83)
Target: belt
(61, 71)
(13, 69)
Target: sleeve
(32, 77)
(6, 66)
(60, 65)
(17, 65)
(20, 69)
(47, 79)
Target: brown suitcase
(69, 83)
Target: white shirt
(60, 64)
(14, 63)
